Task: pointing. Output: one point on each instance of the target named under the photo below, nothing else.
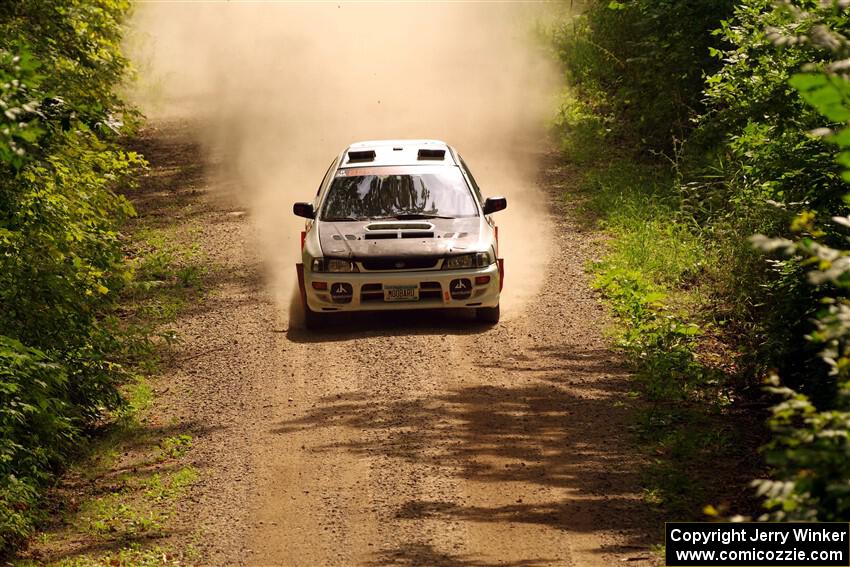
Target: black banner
(757, 544)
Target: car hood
(385, 238)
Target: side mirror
(494, 205)
(304, 210)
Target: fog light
(341, 292)
(460, 288)
(482, 280)
(320, 286)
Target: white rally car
(399, 224)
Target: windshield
(393, 192)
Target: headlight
(333, 265)
(476, 260)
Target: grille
(430, 290)
(387, 264)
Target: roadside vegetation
(700, 126)
(86, 297)
(119, 493)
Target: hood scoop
(396, 234)
(395, 230)
(395, 225)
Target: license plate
(401, 293)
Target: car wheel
(488, 315)
(314, 321)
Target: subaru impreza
(399, 225)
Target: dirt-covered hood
(431, 237)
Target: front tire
(487, 315)
(314, 321)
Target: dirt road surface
(406, 439)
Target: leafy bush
(759, 118)
(61, 264)
(811, 442)
(36, 429)
(639, 64)
(710, 92)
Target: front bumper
(367, 289)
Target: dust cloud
(278, 89)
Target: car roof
(397, 152)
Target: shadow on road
(347, 326)
(420, 554)
(563, 429)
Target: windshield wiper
(414, 216)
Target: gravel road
(399, 439)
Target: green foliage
(765, 152)
(639, 210)
(754, 143)
(34, 416)
(660, 341)
(810, 446)
(744, 118)
(638, 65)
(650, 258)
(582, 128)
(812, 441)
(61, 263)
(109, 514)
(19, 130)
(651, 276)
(175, 447)
(159, 488)
(809, 453)
(77, 44)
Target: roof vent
(432, 154)
(364, 155)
